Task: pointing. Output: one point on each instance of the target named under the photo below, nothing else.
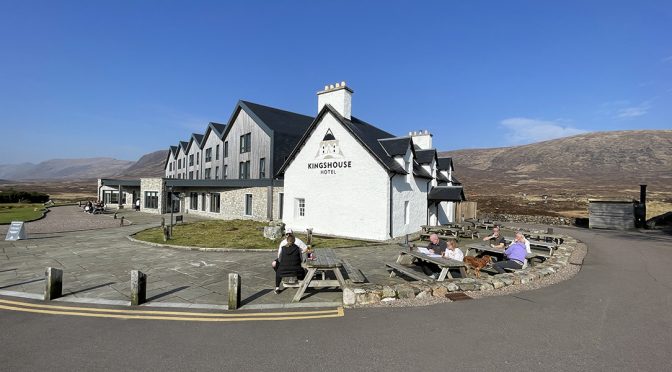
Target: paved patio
(97, 259)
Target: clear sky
(124, 78)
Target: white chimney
(422, 139)
(338, 96)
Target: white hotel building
(333, 173)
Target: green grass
(232, 234)
(20, 212)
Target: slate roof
(456, 182)
(286, 128)
(366, 134)
(446, 193)
(440, 177)
(195, 137)
(425, 156)
(445, 163)
(218, 128)
(396, 146)
(419, 171)
(184, 145)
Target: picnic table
(440, 230)
(484, 247)
(537, 244)
(325, 261)
(444, 263)
(544, 237)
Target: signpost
(16, 231)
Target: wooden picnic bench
(354, 274)
(485, 247)
(543, 237)
(444, 264)
(325, 261)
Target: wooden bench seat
(354, 274)
(395, 267)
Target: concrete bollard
(121, 223)
(54, 283)
(138, 287)
(163, 221)
(234, 291)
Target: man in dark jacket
(288, 263)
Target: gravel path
(67, 218)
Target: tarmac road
(616, 314)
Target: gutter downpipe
(427, 191)
(391, 219)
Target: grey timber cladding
(260, 145)
(611, 215)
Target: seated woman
(515, 255)
(288, 263)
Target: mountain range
(618, 159)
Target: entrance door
(175, 203)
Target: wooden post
(163, 221)
(119, 204)
(310, 236)
(234, 291)
(138, 287)
(54, 283)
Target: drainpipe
(427, 192)
(391, 219)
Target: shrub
(14, 196)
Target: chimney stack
(422, 139)
(338, 96)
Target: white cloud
(633, 111)
(526, 130)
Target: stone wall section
(152, 184)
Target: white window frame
(300, 204)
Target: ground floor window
(407, 212)
(203, 202)
(248, 204)
(111, 197)
(151, 199)
(300, 207)
(214, 202)
(193, 201)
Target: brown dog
(476, 264)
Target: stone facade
(232, 203)
(156, 185)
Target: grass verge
(243, 234)
(20, 212)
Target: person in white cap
(299, 243)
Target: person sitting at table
(452, 252)
(435, 246)
(297, 241)
(496, 239)
(515, 255)
(288, 263)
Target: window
(203, 202)
(217, 152)
(208, 155)
(179, 163)
(262, 168)
(151, 199)
(193, 201)
(197, 157)
(407, 212)
(225, 172)
(216, 173)
(248, 204)
(301, 207)
(245, 143)
(191, 175)
(170, 167)
(191, 160)
(226, 149)
(214, 202)
(244, 170)
(207, 174)
(179, 176)
(111, 197)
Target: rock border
(368, 294)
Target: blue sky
(124, 78)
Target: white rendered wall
(339, 98)
(415, 193)
(352, 202)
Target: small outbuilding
(615, 214)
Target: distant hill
(64, 169)
(149, 165)
(592, 161)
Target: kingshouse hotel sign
(329, 156)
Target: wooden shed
(612, 214)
